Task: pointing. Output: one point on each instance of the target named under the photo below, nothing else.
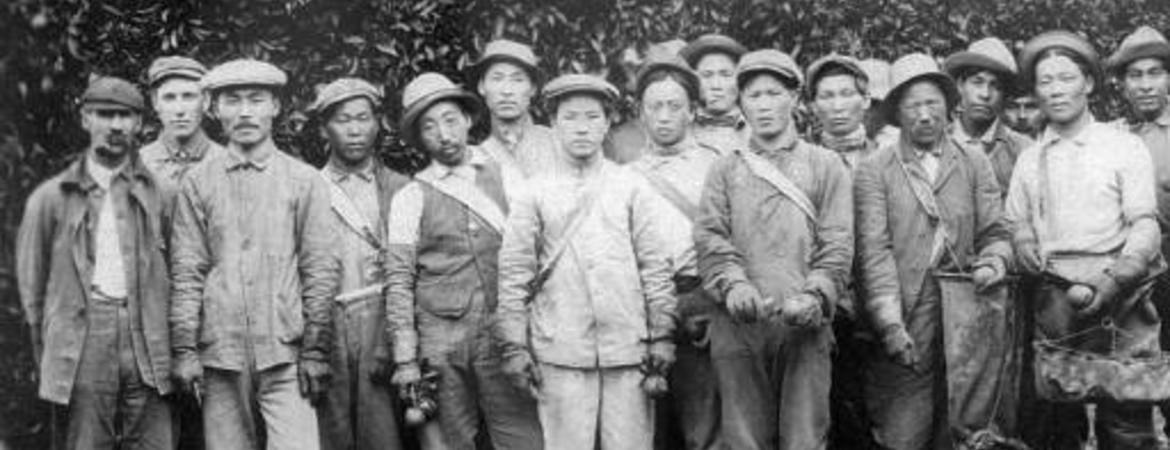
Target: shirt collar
(987, 138)
(467, 170)
(340, 174)
(513, 138)
(1049, 137)
(102, 175)
(193, 151)
(258, 158)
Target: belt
(101, 298)
(358, 295)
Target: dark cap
(817, 69)
(712, 43)
(113, 92)
(669, 64)
(174, 66)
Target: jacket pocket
(444, 297)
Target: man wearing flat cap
(676, 164)
(508, 79)
(719, 122)
(775, 241)
(627, 138)
(930, 235)
(984, 73)
(1083, 209)
(254, 274)
(94, 286)
(444, 234)
(178, 100)
(587, 315)
(359, 411)
(1142, 62)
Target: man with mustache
(254, 275)
(1082, 205)
(775, 242)
(179, 102)
(359, 411)
(719, 122)
(983, 74)
(94, 286)
(1141, 62)
(507, 80)
(444, 234)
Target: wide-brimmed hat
(711, 43)
(244, 72)
(911, 69)
(504, 50)
(817, 69)
(1144, 42)
(425, 91)
(343, 89)
(672, 63)
(770, 61)
(113, 93)
(1057, 38)
(987, 53)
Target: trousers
(588, 409)
(247, 410)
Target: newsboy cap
(911, 69)
(504, 50)
(423, 92)
(878, 72)
(244, 72)
(577, 83)
(174, 66)
(711, 43)
(817, 69)
(664, 63)
(770, 61)
(343, 89)
(1058, 38)
(988, 53)
(1144, 42)
(113, 92)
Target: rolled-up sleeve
(190, 262)
(319, 270)
(519, 264)
(401, 271)
(875, 249)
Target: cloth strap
(348, 212)
(770, 173)
(576, 217)
(473, 199)
(672, 194)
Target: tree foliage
(50, 48)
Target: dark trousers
(111, 407)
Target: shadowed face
(443, 129)
(666, 111)
(839, 105)
(507, 89)
(922, 114)
(111, 128)
(981, 96)
(1145, 84)
(717, 82)
(352, 129)
(767, 104)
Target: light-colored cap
(911, 69)
(244, 72)
(818, 67)
(343, 89)
(506, 51)
(425, 91)
(174, 66)
(772, 61)
(712, 43)
(1057, 38)
(987, 53)
(1144, 42)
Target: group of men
(735, 285)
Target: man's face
(839, 105)
(981, 95)
(1063, 90)
(581, 124)
(1145, 84)
(111, 129)
(443, 129)
(178, 102)
(507, 90)
(717, 81)
(1023, 114)
(352, 129)
(247, 113)
(767, 104)
(922, 114)
(666, 111)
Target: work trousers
(359, 412)
(110, 406)
(688, 416)
(595, 409)
(243, 410)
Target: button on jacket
(253, 267)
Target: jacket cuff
(183, 340)
(885, 312)
(316, 343)
(820, 285)
(405, 344)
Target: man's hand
(187, 372)
(744, 303)
(802, 311)
(405, 374)
(899, 346)
(522, 372)
(313, 376)
(989, 272)
(1104, 290)
(694, 330)
(1028, 257)
(655, 367)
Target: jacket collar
(77, 177)
(259, 158)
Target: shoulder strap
(672, 194)
(924, 193)
(576, 217)
(348, 212)
(473, 199)
(770, 173)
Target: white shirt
(109, 273)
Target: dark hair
(551, 105)
(1076, 58)
(834, 70)
(664, 74)
(1006, 84)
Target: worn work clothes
(55, 263)
(234, 400)
(533, 152)
(169, 161)
(774, 380)
(588, 409)
(1000, 143)
(110, 406)
(441, 293)
(723, 133)
(253, 265)
(611, 290)
(852, 148)
(360, 412)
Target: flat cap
(911, 69)
(1057, 38)
(772, 61)
(343, 89)
(988, 53)
(675, 64)
(878, 72)
(820, 66)
(579, 83)
(1144, 42)
(244, 72)
(174, 66)
(423, 92)
(504, 50)
(711, 43)
(113, 92)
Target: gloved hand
(1105, 290)
(744, 303)
(802, 311)
(313, 377)
(405, 374)
(187, 371)
(899, 346)
(522, 372)
(989, 272)
(1028, 257)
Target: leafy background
(49, 49)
